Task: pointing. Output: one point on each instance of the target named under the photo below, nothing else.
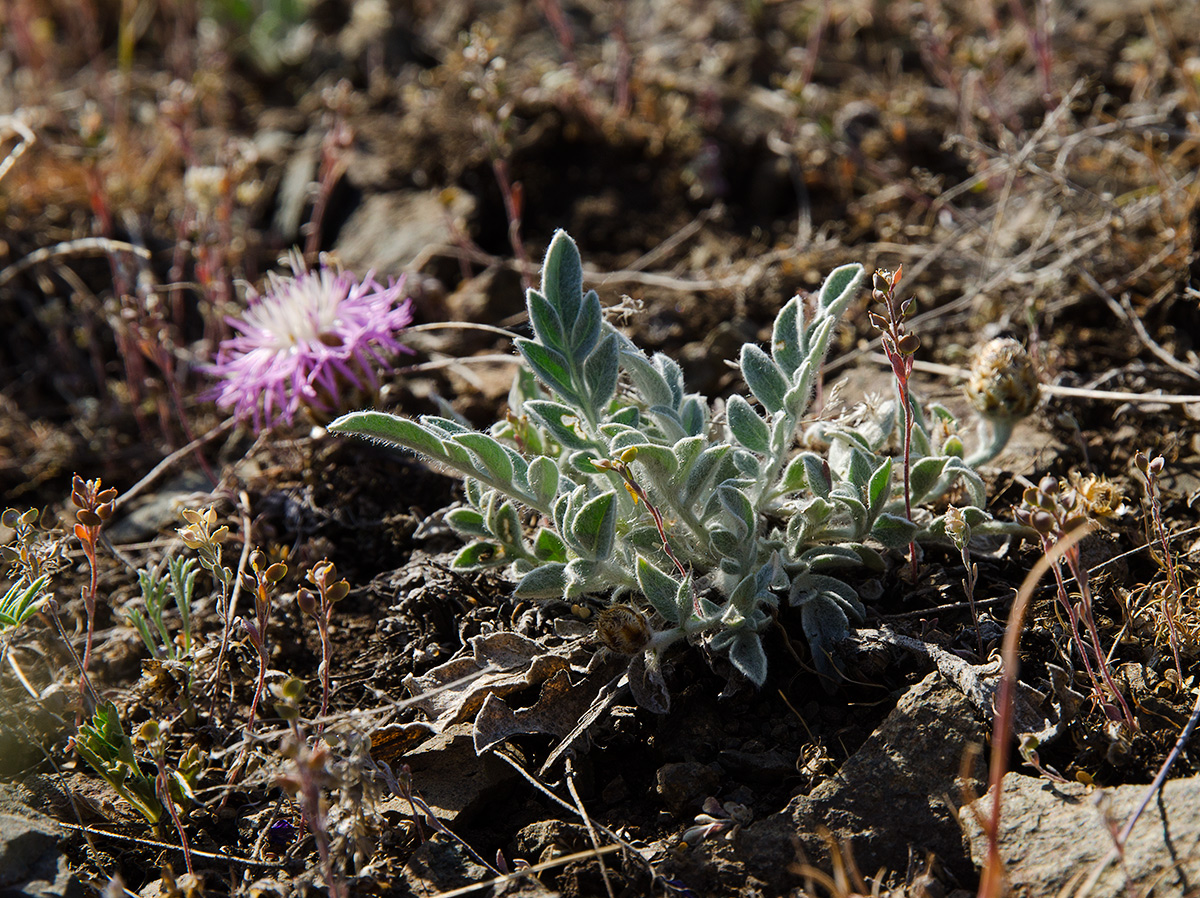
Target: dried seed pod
(1003, 385)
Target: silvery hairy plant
(644, 493)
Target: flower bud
(909, 344)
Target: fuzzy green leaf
(477, 556)
(593, 527)
(924, 475)
(543, 480)
(550, 366)
(562, 276)
(763, 377)
(878, 489)
(893, 531)
(548, 581)
(562, 421)
(585, 333)
(547, 326)
(661, 590)
(467, 522)
(548, 546)
(747, 427)
(816, 474)
(746, 653)
(785, 336)
(391, 429)
(840, 287)
(490, 453)
(600, 372)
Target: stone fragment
(1056, 837)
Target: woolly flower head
(1003, 385)
(309, 335)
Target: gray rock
(1054, 836)
(455, 782)
(442, 864)
(684, 786)
(30, 860)
(889, 802)
(389, 231)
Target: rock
(899, 783)
(888, 802)
(442, 864)
(684, 786)
(545, 840)
(31, 862)
(1054, 837)
(389, 231)
(452, 780)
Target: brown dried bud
(909, 344)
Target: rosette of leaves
(609, 478)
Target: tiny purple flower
(305, 334)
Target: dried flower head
(1003, 385)
(1098, 496)
(310, 335)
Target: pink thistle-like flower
(307, 335)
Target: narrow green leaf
(600, 372)
(860, 470)
(763, 377)
(879, 489)
(840, 287)
(703, 471)
(785, 336)
(746, 426)
(550, 367)
(391, 429)
(490, 454)
(547, 326)
(817, 474)
(585, 333)
(739, 507)
(562, 276)
(647, 379)
(793, 478)
(562, 421)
